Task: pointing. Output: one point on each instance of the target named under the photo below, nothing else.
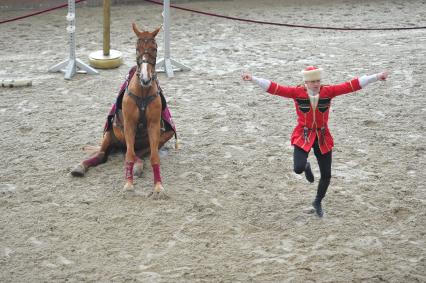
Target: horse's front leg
(154, 140)
(129, 133)
(130, 113)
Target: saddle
(115, 116)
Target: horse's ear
(155, 32)
(135, 29)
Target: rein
(151, 58)
(151, 52)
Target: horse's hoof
(129, 187)
(79, 170)
(158, 192)
(138, 168)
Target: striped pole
(72, 65)
(166, 64)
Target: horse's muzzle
(146, 83)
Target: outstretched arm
(263, 83)
(356, 84)
(269, 86)
(365, 80)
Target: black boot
(308, 173)
(318, 208)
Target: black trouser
(324, 161)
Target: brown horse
(137, 127)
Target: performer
(312, 101)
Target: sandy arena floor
(237, 212)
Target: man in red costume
(312, 102)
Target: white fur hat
(311, 73)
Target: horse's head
(146, 55)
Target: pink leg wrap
(94, 160)
(129, 170)
(156, 170)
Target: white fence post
(166, 64)
(72, 65)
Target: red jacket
(312, 124)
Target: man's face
(313, 85)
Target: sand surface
(237, 212)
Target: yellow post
(107, 15)
(106, 58)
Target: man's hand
(246, 77)
(382, 76)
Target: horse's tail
(176, 141)
(91, 148)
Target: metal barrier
(72, 65)
(166, 64)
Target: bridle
(152, 56)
